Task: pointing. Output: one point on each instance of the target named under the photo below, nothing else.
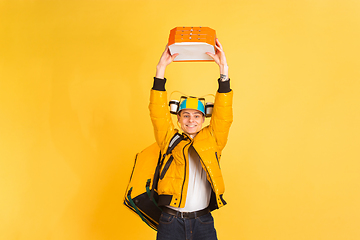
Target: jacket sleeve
(160, 114)
(222, 116)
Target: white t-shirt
(199, 189)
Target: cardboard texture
(192, 43)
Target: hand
(220, 59)
(165, 59)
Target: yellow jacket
(208, 143)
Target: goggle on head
(189, 102)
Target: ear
(203, 118)
(178, 117)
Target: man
(191, 184)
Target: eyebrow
(196, 113)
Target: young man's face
(191, 121)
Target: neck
(192, 135)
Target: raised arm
(159, 112)
(220, 59)
(222, 116)
(165, 59)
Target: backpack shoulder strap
(175, 140)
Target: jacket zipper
(182, 188)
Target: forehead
(190, 111)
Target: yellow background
(74, 89)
